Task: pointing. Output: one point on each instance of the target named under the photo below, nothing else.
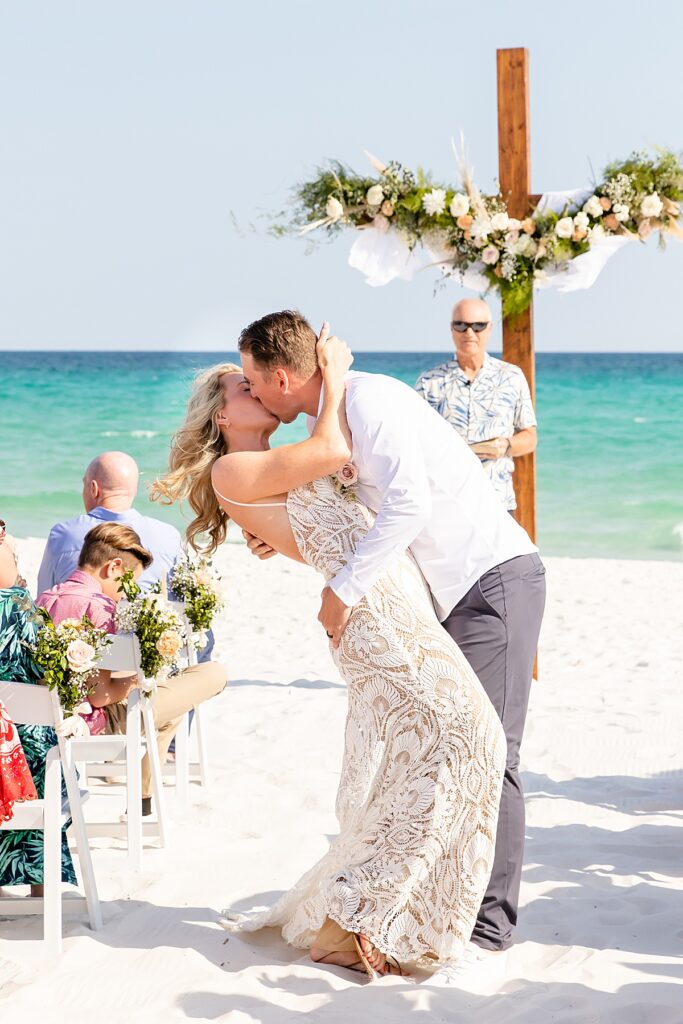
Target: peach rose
(203, 577)
(347, 475)
(611, 222)
(465, 221)
(169, 643)
(605, 203)
(79, 656)
(528, 225)
(578, 235)
(387, 208)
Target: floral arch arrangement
(407, 221)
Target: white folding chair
(121, 754)
(36, 705)
(182, 769)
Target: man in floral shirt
(486, 400)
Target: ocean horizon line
(365, 351)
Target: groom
(487, 581)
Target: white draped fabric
(382, 254)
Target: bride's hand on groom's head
(257, 546)
(334, 355)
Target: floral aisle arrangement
(198, 585)
(157, 627)
(68, 654)
(472, 231)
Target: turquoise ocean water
(610, 458)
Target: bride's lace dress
(423, 763)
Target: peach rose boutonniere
(345, 479)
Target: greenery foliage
(468, 230)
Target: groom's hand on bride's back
(257, 546)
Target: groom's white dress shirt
(430, 494)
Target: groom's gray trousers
(496, 626)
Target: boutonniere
(345, 479)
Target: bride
(424, 749)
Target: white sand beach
(600, 937)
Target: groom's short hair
(281, 339)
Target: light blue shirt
(496, 403)
(66, 540)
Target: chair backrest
(122, 655)
(29, 704)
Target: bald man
(110, 484)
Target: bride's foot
(356, 952)
(365, 957)
(338, 958)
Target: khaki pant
(173, 699)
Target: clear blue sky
(136, 135)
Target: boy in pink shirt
(93, 590)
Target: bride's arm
(249, 476)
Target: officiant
(485, 399)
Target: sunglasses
(461, 326)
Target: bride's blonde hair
(194, 449)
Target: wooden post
(514, 171)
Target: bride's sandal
(372, 971)
(387, 967)
(341, 941)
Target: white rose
(500, 221)
(460, 205)
(490, 255)
(651, 206)
(333, 208)
(581, 221)
(434, 202)
(480, 227)
(621, 212)
(564, 227)
(593, 207)
(374, 195)
(597, 233)
(514, 224)
(525, 245)
(79, 656)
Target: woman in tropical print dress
(21, 852)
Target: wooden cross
(514, 172)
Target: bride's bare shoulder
(229, 469)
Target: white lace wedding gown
(423, 763)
